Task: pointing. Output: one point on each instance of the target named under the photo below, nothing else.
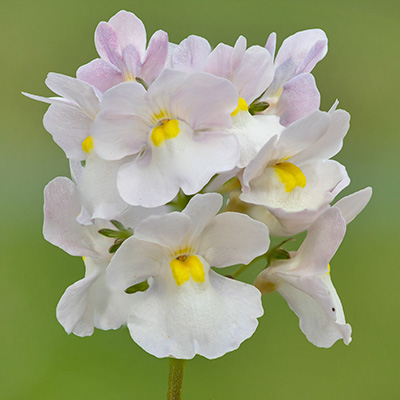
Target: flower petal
(61, 207)
(233, 238)
(299, 98)
(130, 30)
(350, 206)
(191, 54)
(156, 56)
(304, 48)
(100, 74)
(225, 311)
(322, 326)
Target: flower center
(183, 267)
(167, 129)
(290, 175)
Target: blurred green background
(38, 360)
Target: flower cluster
(184, 160)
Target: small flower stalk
(186, 160)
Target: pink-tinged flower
(292, 176)
(293, 93)
(69, 120)
(250, 70)
(189, 309)
(89, 302)
(70, 116)
(176, 129)
(190, 55)
(305, 282)
(121, 44)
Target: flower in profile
(89, 302)
(189, 309)
(293, 93)
(176, 130)
(121, 44)
(305, 282)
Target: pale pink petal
(309, 45)
(131, 62)
(116, 136)
(61, 207)
(299, 98)
(350, 206)
(191, 54)
(130, 30)
(107, 43)
(271, 44)
(323, 239)
(75, 90)
(219, 61)
(156, 56)
(238, 52)
(126, 98)
(254, 74)
(206, 102)
(100, 74)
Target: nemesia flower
(249, 70)
(176, 129)
(70, 116)
(189, 309)
(89, 302)
(305, 282)
(121, 44)
(293, 93)
(292, 175)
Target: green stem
(175, 379)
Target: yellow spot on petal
(83, 258)
(184, 267)
(242, 106)
(168, 129)
(290, 175)
(87, 144)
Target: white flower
(305, 282)
(89, 302)
(176, 130)
(69, 117)
(292, 176)
(189, 309)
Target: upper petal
(233, 238)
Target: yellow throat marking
(184, 267)
(87, 145)
(242, 106)
(290, 175)
(168, 129)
